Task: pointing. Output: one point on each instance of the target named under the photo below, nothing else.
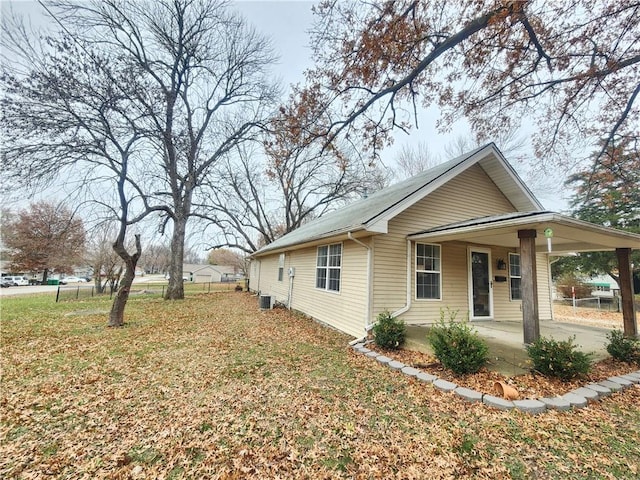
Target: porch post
(529, 286)
(626, 292)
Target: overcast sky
(287, 23)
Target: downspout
(291, 275)
(408, 301)
(367, 327)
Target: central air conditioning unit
(265, 302)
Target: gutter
(367, 317)
(408, 301)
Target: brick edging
(578, 398)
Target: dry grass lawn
(211, 387)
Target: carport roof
(569, 234)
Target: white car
(66, 280)
(18, 281)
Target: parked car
(5, 283)
(17, 280)
(184, 278)
(66, 280)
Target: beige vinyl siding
(390, 273)
(470, 194)
(544, 294)
(268, 279)
(254, 275)
(504, 308)
(344, 310)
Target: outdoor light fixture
(501, 265)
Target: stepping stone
(384, 360)
(622, 381)
(426, 377)
(395, 365)
(468, 394)
(364, 350)
(530, 406)
(357, 346)
(601, 390)
(575, 400)
(412, 372)
(497, 402)
(613, 386)
(556, 403)
(444, 385)
(631, 377)
(372, 354)
(586, 393)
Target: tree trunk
(97, 280)
(116, 316)
(45, 276)
(175, 289)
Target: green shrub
(456, 345)
(559, 358)
(389, 332)
(626, 349)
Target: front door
(480, 284)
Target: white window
(428, 271)
(515, 277)
(281, 267)
(328, 266)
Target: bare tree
(262, 195)
(412, 160)
(511, 143)
(188, 81)
(156, 258)
(106, 264)
(69, 115)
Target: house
(603, 286)
(466, 235)
(204, 273)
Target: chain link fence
(79, 292)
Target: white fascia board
(516, 179)
(379, 226)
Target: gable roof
(373, 213)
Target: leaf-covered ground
(211, 387)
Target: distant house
(201, 273)
(603, 286)
(466, 235)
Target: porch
(530, 233)
(507, 353)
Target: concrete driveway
(507, 353)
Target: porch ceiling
(569, 234)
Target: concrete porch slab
(507, 353)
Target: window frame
(281, 260)
(515, 277)
(419, 270)
(327, 268)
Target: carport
(545, 232)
